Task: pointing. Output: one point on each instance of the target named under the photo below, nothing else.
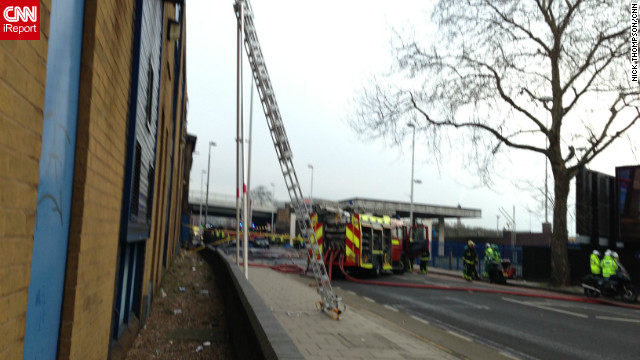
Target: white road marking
(425, 280)
(391, 308)
(459, 335)
(508, 355)
(368, 299)
(546, 308)
(617, 319)
(421, 320)
(480, 307)
(351, 292)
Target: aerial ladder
(329, 303)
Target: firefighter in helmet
(470, 258)
(424, 261)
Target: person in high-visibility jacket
(424, 261)
(594, 260)
(488, 258)
(496, 253)
(616, 258)
(609, 266)
(470, 258)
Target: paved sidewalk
(357, 335)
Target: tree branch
(480, 126)
(490, 4)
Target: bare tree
(494, 74)
(261, 195)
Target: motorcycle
(508, 271)
(618, 286)
(495, 274)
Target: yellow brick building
(93, 150)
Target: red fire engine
(366, 242)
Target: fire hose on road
(295, 268)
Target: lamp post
(311, 192)
(206, 209)
(546, 163)
(273, 204)
(546, 185)
(413, 150)
(201, 188)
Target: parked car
(261, 243)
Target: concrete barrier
(254, 331)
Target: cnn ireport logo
(20, 20)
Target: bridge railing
(226, 200)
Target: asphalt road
(518, 326)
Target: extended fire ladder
(330, 302)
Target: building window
(149, 108)
(135, 195)
(150, 180)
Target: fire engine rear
(367, 243)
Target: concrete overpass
(424, 211)
(224, 206)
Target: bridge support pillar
(292, 228)
(441, 236)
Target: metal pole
(206, 209)
(413, 148)
(513, 237)
(201, 186)
(245, 232)
(273, 205)
(238, 121)
(250, 218)
(546, 191)
(546, 176)
(311, 192)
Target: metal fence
(452, 260)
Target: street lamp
(413, 150)
(273, 204)
(311, 192)
(546, 164)
(206, 209)
(201, 188)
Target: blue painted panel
(143, 119)
(135, 224)
(55, 180)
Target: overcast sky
(319, 54)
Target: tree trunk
(560, 272)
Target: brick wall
(155, 246)
(22, 87)
(98, 180)
(96, 209)
(179, 143)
